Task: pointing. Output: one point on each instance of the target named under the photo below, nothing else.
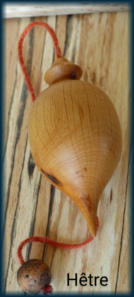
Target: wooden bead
(62, 69)
(33, 275)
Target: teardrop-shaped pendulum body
(75, 137)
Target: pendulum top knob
(62, 69)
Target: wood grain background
(99, 43)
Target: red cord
(20, 45)
(52, 242)
(47, 289)
(29, 85)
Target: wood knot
(51, 177)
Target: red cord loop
(20, 45)
(29, 85)
(53, 243)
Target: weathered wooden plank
(93, 41)
(124, 275)
(16, 145)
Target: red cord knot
(47, 289)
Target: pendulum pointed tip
(92, 224)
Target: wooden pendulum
(75, 137)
